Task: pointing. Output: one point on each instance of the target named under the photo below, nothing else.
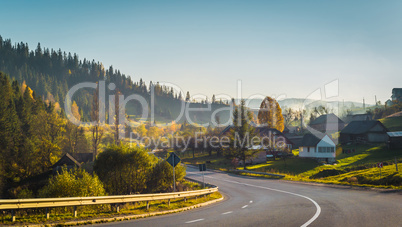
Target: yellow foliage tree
(75, 111)
(270, 114)
(142, 131)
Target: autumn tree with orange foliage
(270, 114)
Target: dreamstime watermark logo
(330, 92)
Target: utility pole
(364, 105)
(301, 120)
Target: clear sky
(287, 48)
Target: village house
(358, 117)
(328, 123)
(68, 161)
(364, 132)
(321, 148)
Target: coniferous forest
(35, 132)
(50, 73)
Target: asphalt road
(261, 202)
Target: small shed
(395, 140)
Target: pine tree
(241, 134)
(188, 97)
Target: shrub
(25, 194)
(73, 183)
(353, 180)
(124, 170)
(161, 179)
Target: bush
(25, 194)
(73, 183)
(124, 170)
(161, 179)
(353, 180)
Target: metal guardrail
(15, 204)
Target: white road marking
(251, 201)
(317, 213)
(201, 219)
(229, 212)
(244, 206)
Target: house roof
(68, 160)
(359, 117)
(360, 127)
(395, 134)
(83, 157)
(310, 140)
(226, 130)
(323, 119)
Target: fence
(15, 204)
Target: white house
(319, 148)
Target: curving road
(261, 202)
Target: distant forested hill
(50, 73)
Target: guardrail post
(13, 215)
(75, 211)
(117, 208)
(47, 213)
(185, 199)
(147, 205)
(205, 196)
(168, 202)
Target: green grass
(358, 168)
(37, 216)
(289, 166)
(392, 123)
(214, 162)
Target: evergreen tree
(241, 134)
(188, 96)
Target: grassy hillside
(393, 123)
(357, 168)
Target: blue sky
(287, 48)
